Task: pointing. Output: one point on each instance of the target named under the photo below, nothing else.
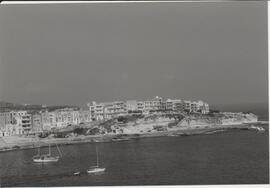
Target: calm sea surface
(233, 157)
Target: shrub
(60, 135)
(94, 131)
(79, 131)
(44, 135)
(172, 124)
(121, 119)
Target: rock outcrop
(225, 118)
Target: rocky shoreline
(29, 142)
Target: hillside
(147, 124)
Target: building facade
(37, 125)
(108, 110)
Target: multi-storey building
(5, 118)
(175, 105)
(197, 106)
(66, 117)
(203, 107)
(114, 109)
(107, 110)
(11, 129)
(37, 125)
(187, 106)
(140, 106)
(96, 110)
(84, 116)
(22, 122)
(22, 119)
(48, 120)
(132, 105)
(154, 104)
(15, 122)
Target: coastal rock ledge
(165, 122)
(219, 119)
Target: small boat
(120, 139)
(184, 134)
(259, 129)
(215, 131)
(173, 135)
(45, 158)
(96, 169)
(77, 173)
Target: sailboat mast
(97, 155)
(50, 149)
(59, 150)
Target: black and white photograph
(133, 93)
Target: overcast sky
(73, 54)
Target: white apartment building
(140, 106)
(21, 122)
(175, 105)
(96, 110)
(197, 106)
(132, 105)
(107, 110)
(11, 129)
(154, 104)
(36, 123)
(64, 117)
(23, 119)
(204, 108)
(84, 116)
(15, 122)
(5, 118)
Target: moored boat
(96, 169)
(259, 129)
(77, 173)
(120, 139)
(45, 158)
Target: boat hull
(96, 170)
(77, 173)
(46, 160)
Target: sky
(78, 53)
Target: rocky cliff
(159, 123)
(147, 124)
(225, 118)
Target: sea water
(231, 157)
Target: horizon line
(212, 104)
(108, 2)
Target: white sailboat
(45, 158)
(96, 169)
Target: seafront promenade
(26, 142)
